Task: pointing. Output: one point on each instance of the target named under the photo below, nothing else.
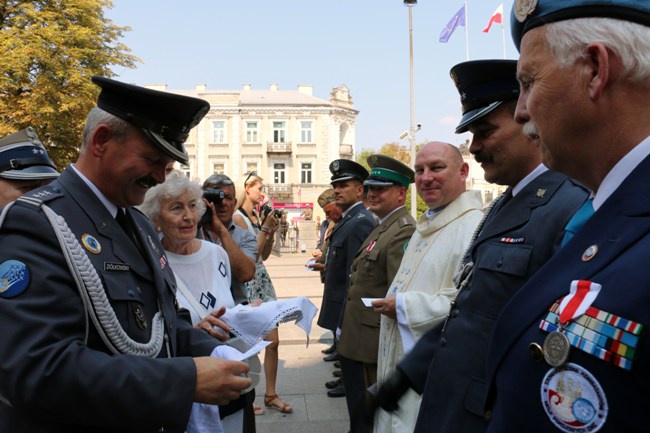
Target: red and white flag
(497, 17)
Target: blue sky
(363, 44)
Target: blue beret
(528, 14)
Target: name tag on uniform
(116, 267)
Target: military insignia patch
(14, 278)
(91, 244)
(523, 8)
(573, 399)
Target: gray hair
(120, 128)
(175, 185)
(629, 41)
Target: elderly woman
(260, 288)
(202, 271)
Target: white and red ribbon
(583, 293)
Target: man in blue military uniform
(570, 351)
(353, 228)
(24, 165)
(93, 340)
(518, 235)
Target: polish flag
(497, 17)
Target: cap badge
(91, 244)
(523, 8)
(14, 278)
(335, 166)
(373, 158)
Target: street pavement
(302, 373)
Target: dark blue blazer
(516, 240)
(620, 230)
(344, 242)
(54, 381)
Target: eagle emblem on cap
(335, 165)
(523, 8)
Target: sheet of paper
(368, 301)
(309, 264)
(253, 350)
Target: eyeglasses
(252, 173)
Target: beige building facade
(289, 137)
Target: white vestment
(424, 282)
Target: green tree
(400, 153)
(50, 49)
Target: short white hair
(629, 41)
(176, 184)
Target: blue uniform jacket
(50, 381)
(344, 242)
(515, 241)
(599, 393)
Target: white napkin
(253, 324)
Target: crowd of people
(525, 315)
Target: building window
(305, 172)
(279, 173)
(279, 132)
(218, 131)
(305, 131)
(251, 166)
(251, 132)
(218, 168)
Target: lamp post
(409, 4)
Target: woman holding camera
(260, 289)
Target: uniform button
(499, 263)
(454, 312)
(443, 342)
(131, 293)
(56, 189)
(536, 352)
(488, 415)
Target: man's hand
(215, 226)
(219, 381)
(386, 306)
(390, 392)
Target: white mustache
(531, 130)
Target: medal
(556, 348)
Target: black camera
(266, 209)
(214, 196)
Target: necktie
(578, 220)
(124, 223)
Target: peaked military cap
(165, 118)
(326, 197)
(387, 171)
(483, 85)
(23, 157)
(345, 169)
(528, 14)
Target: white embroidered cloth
(252, 324)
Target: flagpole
(466, 31)
(503, 38)
(412, 130)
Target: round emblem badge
(14, 278)
(91, 244)
(523, 8)
(335, 166)
(573, 399)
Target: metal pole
(412, 129)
